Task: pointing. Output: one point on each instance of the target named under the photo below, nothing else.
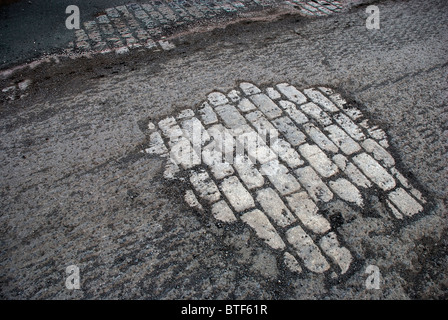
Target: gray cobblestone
(349, 126)
(286, 153)
(291, 93)
(307, 250)
(317, 113)
(251, 177)
(222, 140)
(234, 95)
(321, 100)
(156, 145)
(245, 105)
(207, 114)
(264, 229)
(347, 191)
(291, 109)
(318, 160)
(374, 171)
(378, 152)
(231, 117)
(222, 212)
(192, 201)
(340, 255)
(274, 207)
(319, 138)
(147, 21)
(249, 88)
(404, 202)
(284, 182)
(205, 187)
(354, 174)
(316, 188)
(342, 140)
(289, 130)
(292, 263)
(261, 124)
(307, 211)
(233, 152)
(272, 93)
(266, 105)
(255, 146)
(238, 196)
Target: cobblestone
(274, 207)
(245, 105)
(264, 229)
(123, 191)
(404, 202)
(266, 105)
(283, 181)
(342, 140)
(192, 201)
(340, 255)
(307, 211)
(349, 126)
(321, 100)
(316, 188)
(156, 146)
(222, 141)
(318, 160)
(255, 146)
(286, 153)
(317, 113)
(290, 131)
(273, 94)
(351, 171)
(346, 191)
(238, 196)
(222, 212)
(261, 124)
(292, 263)
(231, 117)
(319, 138)
(249, 88)
(378, 152)
(374, 171)
(205, 187)
(208, 116)
(291, 109)
(291, 93)
(307, 250)
(217, 98)
(135, 25)
(290, 180)
(251, 177)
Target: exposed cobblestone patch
(144, 25)
(262, 166)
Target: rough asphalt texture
(75, 188)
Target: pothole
(274, 158)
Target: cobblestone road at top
(30, 30)
(84, 179)
(130, 26)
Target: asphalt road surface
(83, 182)
(29, 29)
